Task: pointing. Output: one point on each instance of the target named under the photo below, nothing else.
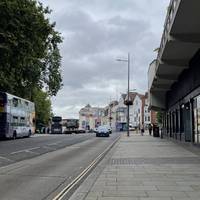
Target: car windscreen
(57, 119)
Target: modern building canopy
(180, 42)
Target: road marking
(53, 144)
(24, 150)
(33, 148)
(4, 158)
(50, 148)
(68, 188)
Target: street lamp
(128, 102)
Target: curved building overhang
(179, 43)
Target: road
(37, 168)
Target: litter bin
(156, 131)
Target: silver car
(102, 131)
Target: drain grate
(156, 161)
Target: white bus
(17, 116)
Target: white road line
(80, 177)
(4, 158)
(34, 148)
(32, 152)
(51, 148)
(24, 150)
(52, 144)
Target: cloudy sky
(95, 33)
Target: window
(1, 102)
(15, 121)
(22, 121)
(15, 102)
(181, 119)
(196, 105)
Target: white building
(136, 120)
(121, 114)
(147, 114)
(90, 117)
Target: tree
(29, 53)
(159, 117)
(42, 107)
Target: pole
(128, 95)
(110, 117)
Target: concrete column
(192, 119)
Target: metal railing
(171, 12)
(173, 6)
(152, 73)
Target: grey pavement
(144, 168)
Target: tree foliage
(29, 53)
(42, 107)
(159, 117)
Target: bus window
(22, 121)
(2, 117)
(15, 121)
(15, 102)
(1, 102)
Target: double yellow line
(71, 185)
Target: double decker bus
(17, 116)
(56, 126)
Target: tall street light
(127, 102)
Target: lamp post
(128, 101)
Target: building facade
(174, 77)
(121, 114)
(90, 117)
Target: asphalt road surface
(37, 168)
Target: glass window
(177, 120)
(181, 119)
(15, 102)
(15, 121)
(2, 117)
(196, 112)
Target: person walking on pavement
(142, 130)
(150, 129)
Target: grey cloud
(95, 34)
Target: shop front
(196, 121)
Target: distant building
(90, 117)
(139, 110)
(121, 114)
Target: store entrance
(196, 111)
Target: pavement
(144, 168)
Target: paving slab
(145, 168)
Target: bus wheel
(14, 135)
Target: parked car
(102, 131)
(131, 128)
(81, 131)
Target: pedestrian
(150, 129)
(142, 130)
